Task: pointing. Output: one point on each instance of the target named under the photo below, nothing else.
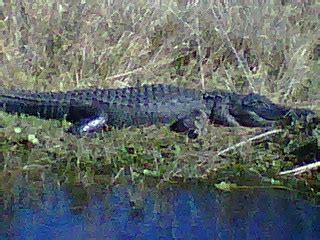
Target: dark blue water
(49, 211)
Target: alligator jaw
(268, 110)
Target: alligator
(92, 110)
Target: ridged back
(135, 103)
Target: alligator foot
(89, 126)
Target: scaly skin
(91, 109)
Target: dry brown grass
(249, 46)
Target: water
(38, 210)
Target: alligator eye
(265, 105)
(255, 102)
(251, 103)
(207, 96)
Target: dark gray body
(92, 109)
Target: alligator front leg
(220, 112)
(89, 126)
(194, 124)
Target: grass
(271, 49)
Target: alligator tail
(30, 105)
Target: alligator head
(268, 110)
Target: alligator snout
(268, 110)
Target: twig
(200, 54)
(302, 169)
(299, 59)
(240, 144)
(117, 176)
(198, 39)
(134, 71)
(159, 64)
(224, 32)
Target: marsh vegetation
(271, 49)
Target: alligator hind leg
(89, 125)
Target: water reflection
(44, 210)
